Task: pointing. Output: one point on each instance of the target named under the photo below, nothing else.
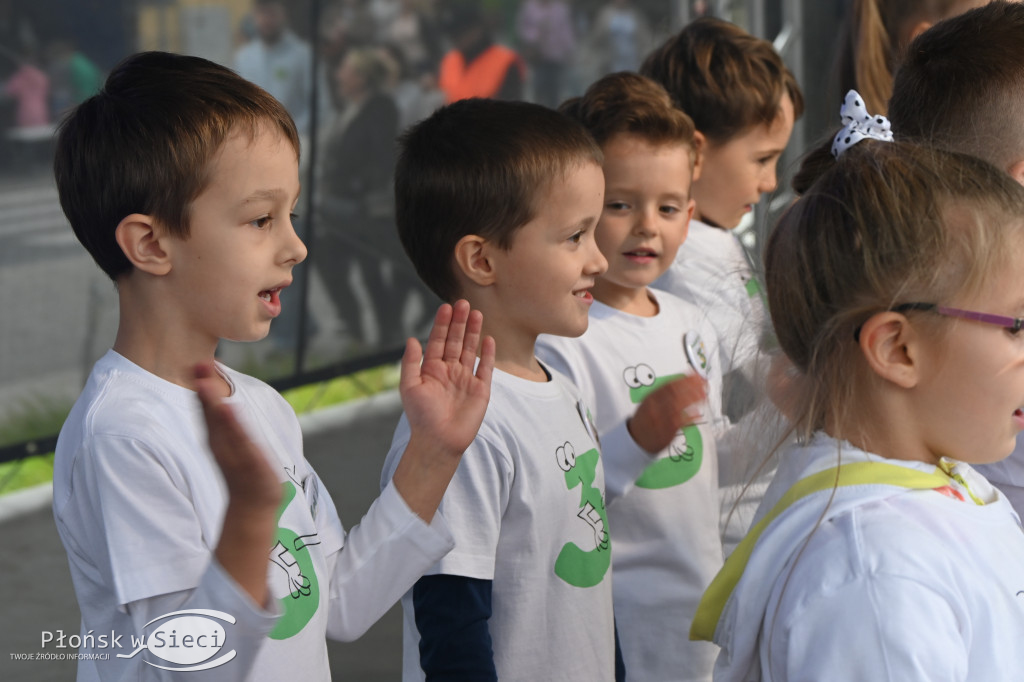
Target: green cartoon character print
(295, 585)
(685, 453)
(753, 286)
(577, 566)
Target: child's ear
(917, 29)
(699, 144)
(1016, 171)
(142, 241)
(691, 206)
(472, 256)
(889, 344)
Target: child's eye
(1014, 332)
(670, 210)
(577, 237)
(617, 205)
(261, 223)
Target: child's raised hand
(249, 477)
(254, 492)
(444, 399)
(666, 410)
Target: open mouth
(269, 295)
(583, 294)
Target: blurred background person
(357, 246)
(279, 62)
(476, 65)
(619, 37)
(548, 40)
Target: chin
(574, 331)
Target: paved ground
(345, 445)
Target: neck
(158, 344)
(884, 426)
(514, 350)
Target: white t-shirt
(526, 507)
(139, 503)
(712, 271)
(893, 584)
(666, 528)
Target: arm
(665, 411)
(218, 592)
(400, 537)
(902, 629)
(451, 615)
(254, 493)
(444, 401)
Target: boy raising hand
(180, 179)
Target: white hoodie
(879, 570)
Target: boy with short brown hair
(180, 179)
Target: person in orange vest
(476, 66)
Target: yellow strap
(857, 473)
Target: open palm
(443, 397)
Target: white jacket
(877, 570)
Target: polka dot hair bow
(858, 125)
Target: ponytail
(873, 48)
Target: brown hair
(887, 223)
(479, 167)
(144, 144)
(627, 102)
(961, 85)
(874, 40)
(726, 79)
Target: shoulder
(120, 398)
(263, 399)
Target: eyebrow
(584, 224)
(267, 195)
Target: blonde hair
(875, 39)
(887, 223)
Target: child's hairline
(659, 142)
(713, 142)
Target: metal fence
(356, 297)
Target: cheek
(609, 237)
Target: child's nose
(293, 249)
(646, 222)
(769, 180)
(597, 263)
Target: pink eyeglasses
(1011, 324)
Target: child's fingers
(411, 359)
(486, 366)
(228, 439)
(438, 333)
(474, 324)
(456, 331)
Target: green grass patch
(342, 389)
(25, 473)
